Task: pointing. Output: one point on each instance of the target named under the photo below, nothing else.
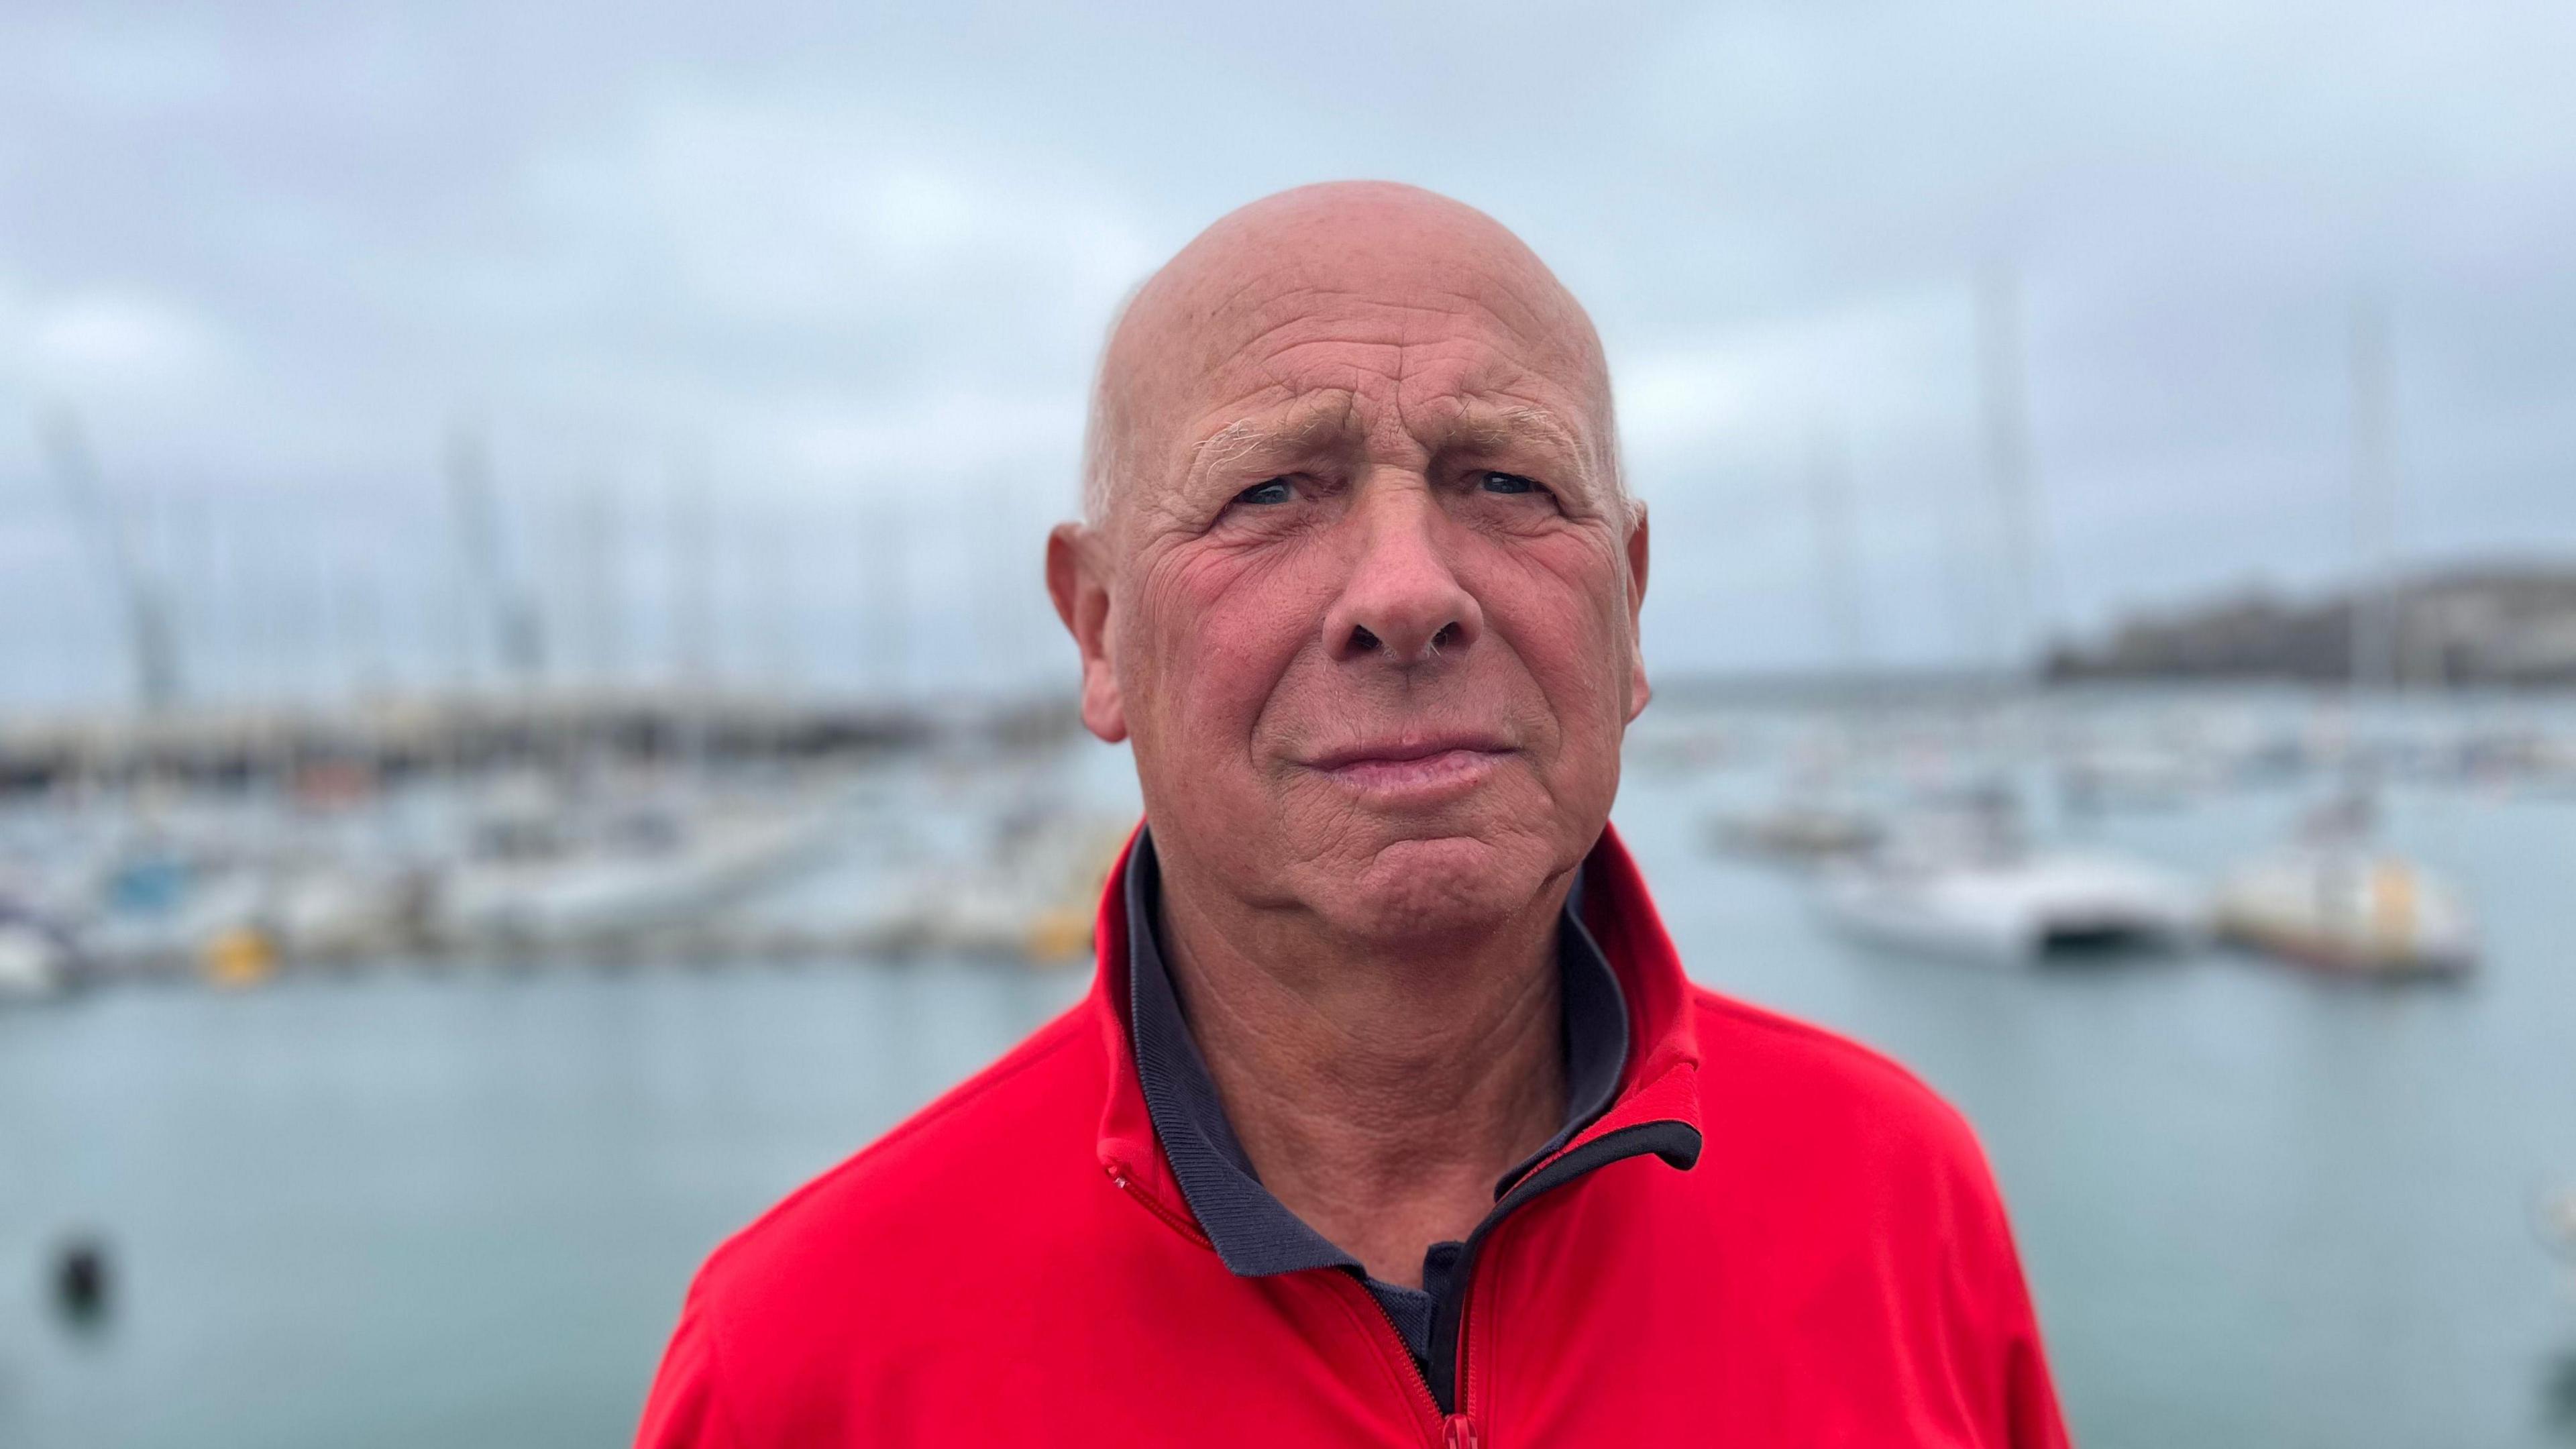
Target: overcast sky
(847, 271)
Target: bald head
(1359, 583)
(1286, 273)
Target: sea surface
(402, 1208)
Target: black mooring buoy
(83, 1281)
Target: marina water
(412, 1207)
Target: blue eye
(1506, 483)
(1277, 490)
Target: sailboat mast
(1837, 567)
(151, 646)
(2374, 503)
(2003, 385)
(597, 537)
(887, 566)
(520, 636)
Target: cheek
(1558, 603)
(1220, 629)
(1558, 609)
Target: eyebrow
(1307, 425)
(1481, 428)
(1314, 423)
(1492, 430)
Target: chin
(1443, 888)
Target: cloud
(111, 342)
(864, 250)
(817, 213)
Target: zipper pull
(1457, 1432)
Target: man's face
(1370, 603)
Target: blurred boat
(155, 904)
(544, 873)
(345, 910)
(2042, 908)
(1679, 751)
(1816, 818)
(2352, 911)
(37, 955)
(2554, 1218)
(2132, 778)
(36, 960)
(2349, 911)
(2339, 902)
(1796, 832)
(1031, 899)
(1963, 883)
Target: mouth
(1421, 768)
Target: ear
(1078, 580)
(1639, 691)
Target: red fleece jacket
(1016, 1265)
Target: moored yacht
(1965, 884)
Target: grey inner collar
(1253, 1231)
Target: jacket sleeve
(1999, 1360)
(686, 1408)
(2030, 1399)
(2031, 1418)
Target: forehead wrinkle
(1306, 298)
(1308, 306)
(1255, 290)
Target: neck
(1379, 1090)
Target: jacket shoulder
(1874, 1188)
(1827, 1088)
(978, 1152)
(843, 1278)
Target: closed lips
(1404, 751)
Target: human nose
(1402, 603)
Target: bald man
(1391, 1118)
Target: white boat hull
(32, 963)
(2348, 911)
(2025, 910)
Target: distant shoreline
(2493, 624)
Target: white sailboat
(1817, 820)
(1030, 899)
(2355, 912)
(2132, 777)
(546, 874)
(1801, 830)
(2338, 900)
(1961, 880)
(1964, 884)
(324, 910)
(34, 962)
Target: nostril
(1362, 641)
(1448, 635)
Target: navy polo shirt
(1253, 1231)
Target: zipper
(1678, 1143)
(1119, 1179)
(1458, 1431)
(1421, 1379)
(1455, 1431)
(1444, 1381)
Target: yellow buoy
(2392, 902)
(1057, 935)
(238, 956)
